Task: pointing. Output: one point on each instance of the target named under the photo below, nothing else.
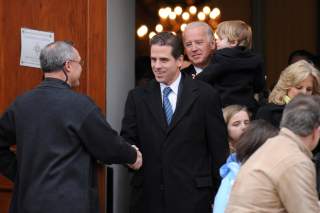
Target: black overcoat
(237, 74)
(59, 135)
(181, 161)
(271, 112)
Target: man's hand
(136, 165)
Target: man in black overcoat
(181, 135)
(59, 136)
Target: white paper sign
(32, 41)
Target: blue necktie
(167, 105)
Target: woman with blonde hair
(298, 78)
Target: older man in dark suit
(177, 124)
(59, 134)
(199, 45)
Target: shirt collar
(288, 133)
(198, 69)
(174, 86)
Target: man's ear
(212, 44)
(67, 66)
(317, 132)
(179, 61)
(315, 137)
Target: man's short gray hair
(54, 55)
(302, 115)
(200, 24)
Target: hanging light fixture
(176, 19)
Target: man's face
(74, 69)
(198, 46)
(164, 66)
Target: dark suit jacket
(237, 74)
(180, 161)
(59, 135)
(189, 70)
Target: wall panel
(289, 25)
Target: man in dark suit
(199, 45)
(177, 124)
(59, 135)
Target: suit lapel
(189, 70)
(154, 103)
(188, 93)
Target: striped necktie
(167, 105)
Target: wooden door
(289, 25)
(80, 21)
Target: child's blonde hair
(228, 113)
(235, 31)
(231, 110)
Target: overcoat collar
(54, 82)
(188, 93)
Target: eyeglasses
(81, 62)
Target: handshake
(136, 165)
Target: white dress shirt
(173, 96)
(198, 69)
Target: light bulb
(185, 16)
(201, 16)
(151, 34)
(172, 15)
(142, 31)
(206, 10)
(193, 10)
(183, 27)
(159, 28)
(178, 10)
(163, 13)
(214, 13)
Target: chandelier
(176, 19)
